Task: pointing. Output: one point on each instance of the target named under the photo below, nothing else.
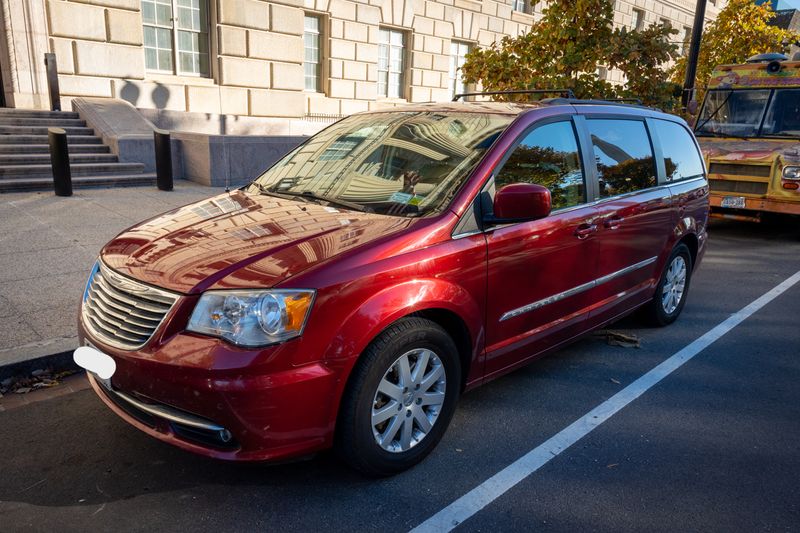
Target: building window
(391, 63)
(638, 19)
(312, 63)
(666, 23)
(687, 39)
(458, 52)
(176, 44)
(602, 73)
(521, 5)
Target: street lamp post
(694, 52)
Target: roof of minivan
(515, 108)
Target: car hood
(747, 151)
(239, 239)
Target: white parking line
(494, 487)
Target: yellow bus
(749, 130)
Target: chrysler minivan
(348, 295)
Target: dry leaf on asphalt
(616, 338)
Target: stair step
(79, 182)
(36, 113)
(45, 148)
(46, 122)
(42, 139)
(15, 172)
(42, 130)
(44, 159)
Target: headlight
(252, 318)
(791, 173)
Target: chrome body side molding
(576, 290)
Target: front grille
(743, 187)
(124, 312)
(733, 169)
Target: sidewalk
(47, 247)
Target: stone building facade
(285, 59)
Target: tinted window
(623, 154)
(548, 156)
(681, 158)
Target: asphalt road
(715, 446)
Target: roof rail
(566, 92)
(596, 101)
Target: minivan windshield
(394, 163)
(750, 113)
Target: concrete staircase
(25, 153)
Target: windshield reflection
(397, 163)
(750, 113)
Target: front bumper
(178, 392)
(756, 204)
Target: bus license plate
(733, 201)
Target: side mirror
(520, 202)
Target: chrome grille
(121, 311)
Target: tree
(740, 30)
(564, 49)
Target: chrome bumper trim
(161, 411)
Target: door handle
(584, 230)
(613, 222)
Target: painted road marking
(494, 487)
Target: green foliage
(564, 50)
(740, 30)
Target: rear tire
(400, 398)
(672, 289)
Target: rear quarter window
(681, 158)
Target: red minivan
(353, 291)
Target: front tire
(400, 398)
(672, 289)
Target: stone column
(23, 43)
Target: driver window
(548, 156)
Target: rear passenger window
(681, 158)
(623, 154)
(548, 156)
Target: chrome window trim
(134, 287)
(576, 290)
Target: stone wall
(257, 51)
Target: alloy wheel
(674, 285)
(408, 400)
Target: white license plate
(733, 201)
(95, 361)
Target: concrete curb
(58, 362)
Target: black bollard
(59, 160)
(163, 160)
(51, 69)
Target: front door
(539, 271)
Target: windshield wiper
(320, 198)
(271, 192)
